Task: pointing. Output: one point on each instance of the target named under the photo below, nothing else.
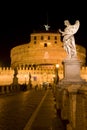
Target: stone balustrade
(71, 104)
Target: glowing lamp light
(57, 65)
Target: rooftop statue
(47, 27)
(68, 37)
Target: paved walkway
(45, 117)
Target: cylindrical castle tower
(44, 48)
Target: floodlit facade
(39, 58)
(43, 49)
(41, 55)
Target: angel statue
(68, 37)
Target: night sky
(19, 19)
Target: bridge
(30, 110)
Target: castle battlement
(42, 74)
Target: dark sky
(19, 19)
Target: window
(34, 42)
(45, 44)
(55, 42)
(55, 37)
(41, 37)
(35, 37)
(48, 37)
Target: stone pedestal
(71, 71)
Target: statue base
(72, 71)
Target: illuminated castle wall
(44, 48)
(38, 75)
(6, 76)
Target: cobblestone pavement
(16, 110)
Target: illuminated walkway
(45, 117)
(29, 110)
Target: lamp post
(56, 73)
(25, 79)
(29, 83)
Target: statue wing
(72, 29)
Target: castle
(38, 58)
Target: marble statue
(68, 37)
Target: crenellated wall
(38, 75)
(6, 76)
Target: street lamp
(56, 73)
(29, 82)
(25, 79)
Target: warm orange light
(57, 65)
